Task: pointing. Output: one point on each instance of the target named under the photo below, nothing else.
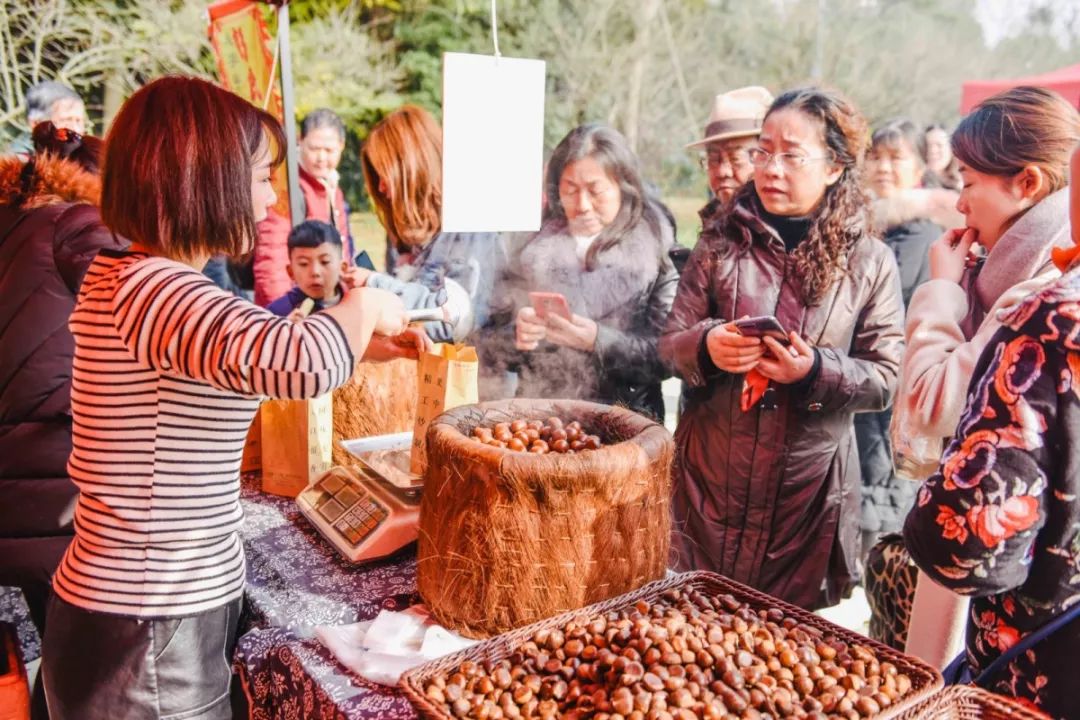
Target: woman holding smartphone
(766, 486)
(600, 272)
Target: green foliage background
(648, 67)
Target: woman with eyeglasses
(766, 486)
(603, 246)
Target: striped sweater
(167, 375)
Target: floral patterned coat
(1000, 521)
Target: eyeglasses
(736, 160)
(789, 161)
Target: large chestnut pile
(538, 436)
(686, 655)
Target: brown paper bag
(296, 443)
(251, 460)
(447, 379)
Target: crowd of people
(907, 422)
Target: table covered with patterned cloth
(295, 581)
(13, 610)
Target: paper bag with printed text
(297, 443)
(447, 379)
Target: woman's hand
(950, 253)
(529, 329)
(787, 365)
(732, 352)
(578, 332)
(408, 344)
(388, 309)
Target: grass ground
(687, 223)
(370, 235)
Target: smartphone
(548, 303)
(763, 326)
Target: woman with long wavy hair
(402, 164)
(603, 245)
(766, 487)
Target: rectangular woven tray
(964, 702)
(925, 680)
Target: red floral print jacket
(1000, 521)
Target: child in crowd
(317, 268)
(322, 275)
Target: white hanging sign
(493, 143)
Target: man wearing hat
(733, 128)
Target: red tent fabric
(1065, 81)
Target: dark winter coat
(46, 243)
(628, 294)
(886, 498)
(1000, 520)
(770, 497)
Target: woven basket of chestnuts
(966, 702)
(692, 646)
(535, 507)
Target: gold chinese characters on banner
(243, 48)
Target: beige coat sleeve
(939, 362)
(937, 625)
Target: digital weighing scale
(371, 510)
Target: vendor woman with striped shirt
(168, 371)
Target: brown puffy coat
(770, 497)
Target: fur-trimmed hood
(55, 181)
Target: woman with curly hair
(766, 487)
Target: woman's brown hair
(842, 216)
(178, 163)
(404, 153)
(1016, 128)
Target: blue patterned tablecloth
(13, 610)
(295, 581)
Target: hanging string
(495, 28)
(277, 51)
(684, 93)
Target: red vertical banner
(242, 46)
